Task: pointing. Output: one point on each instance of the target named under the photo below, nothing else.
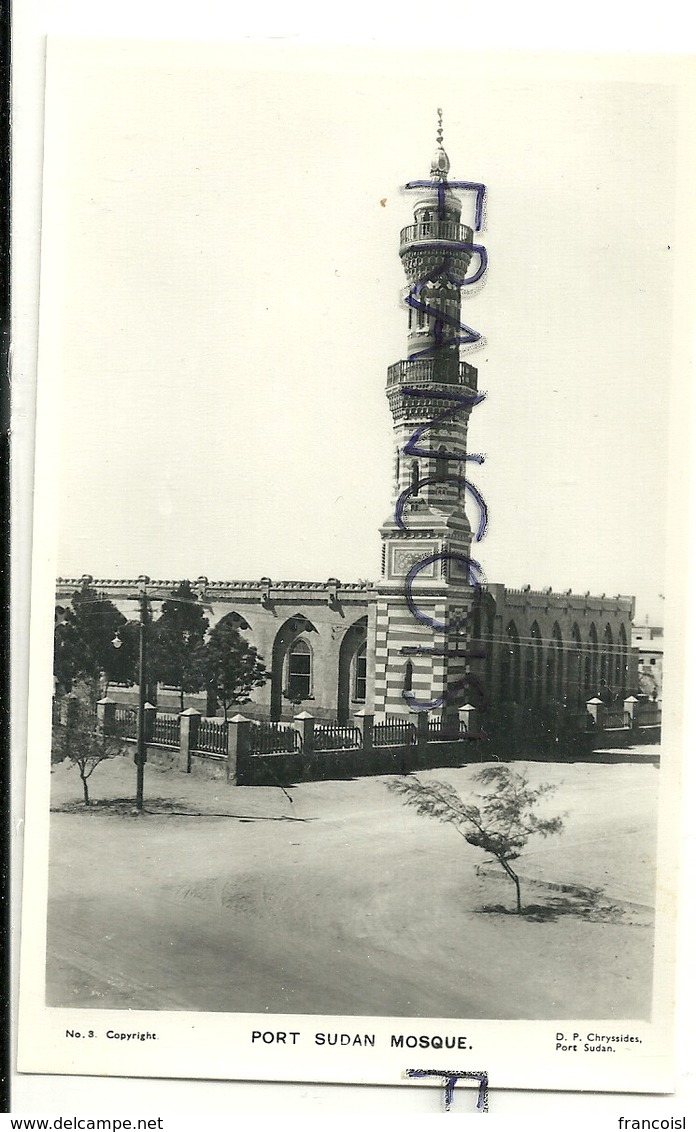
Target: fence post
(106, 716)
(597, 711)
(422, 734)
(69, 710)
(365, 723)
(238, 736)
(631, 717)
(450, 723)
(304, 725)
(150, 717)
(188, 736)
(467, 717)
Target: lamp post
(143, 600)
(141, 750)
(141, 747)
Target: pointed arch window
(414, 478)
(360, 673)
(622, 659)
(533, 686)
(594, 661)
(578, 673)
(408, 676)
(554, 664)
(608, 654)
(300, 670)
(510, 664)
(441, 465)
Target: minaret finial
(440, 164)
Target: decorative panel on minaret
(428, 584)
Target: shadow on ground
(160, 807)
(589, 904)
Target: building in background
(648, 642)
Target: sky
(221, 295)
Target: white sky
(226, 282)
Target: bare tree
(501, 823)
(81, 741)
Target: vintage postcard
(356, 719)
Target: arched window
(622, 659)
(577, 673)
(414, 477)
(535, 652)
(408, 676)
(608, 654)
(360, 673)
(554, 664)
(352, 669)
(299, 670)
(441, 464)
(510, 665)
(594, 661)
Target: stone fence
(246, 752)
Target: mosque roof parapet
(220, 587)
(549, 596)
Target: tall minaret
(425, 594)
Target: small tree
(501, 824)
(232, 666)
(80, 741)
(177, 655)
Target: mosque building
(429, 634)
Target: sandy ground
(342, 901)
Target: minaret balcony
(433, 230)
(433, 371)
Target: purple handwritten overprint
(464, 336)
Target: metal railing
(614, 719)
(649, 716)
(273, 738)
(448, 371)
(336, 737)
(435, 230)
(166, 730)
(211, 737)
(440, 728)
(394, 733)
(126, 722)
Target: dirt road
(343, 902)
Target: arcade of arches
(318, 643)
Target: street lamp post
(141, 750)
(141, 746)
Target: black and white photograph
(357, 554)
